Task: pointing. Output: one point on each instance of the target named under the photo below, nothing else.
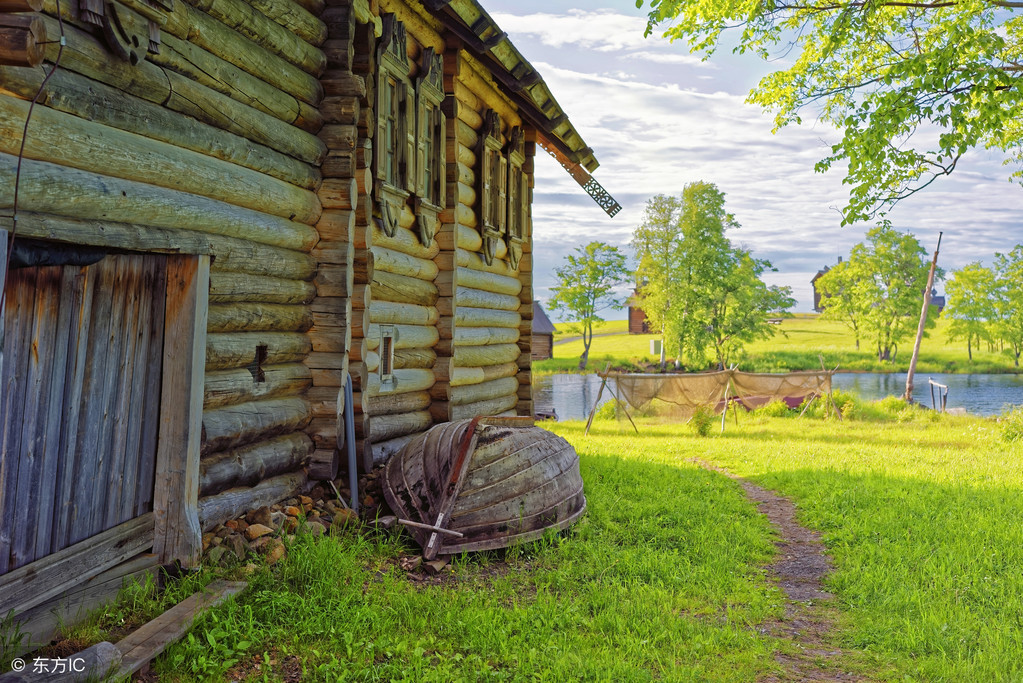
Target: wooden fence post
(178, 535)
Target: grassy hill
(797, 345)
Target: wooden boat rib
(492, 480)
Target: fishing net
(679, 396)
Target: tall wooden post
(176, 496)
(908, 396)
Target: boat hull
(511, 485)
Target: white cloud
(668, 119)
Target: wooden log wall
(484, 324)
(331, 333)
(213, 144)
(397, 272)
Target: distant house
(638, 324)
(813, 283)
(542, 344)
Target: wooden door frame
(178, 534)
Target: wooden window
(491, 185)
(517, 197)
(395, 125)
(387, 337)
(430, 145)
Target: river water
(572, 396)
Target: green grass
(660, 581)
(797, 345)
(663, 578)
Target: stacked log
(337, 264)
(478, 369)
(207, 146)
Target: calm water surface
(572, 396)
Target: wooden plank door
(81, 379)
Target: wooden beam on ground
(139, 648)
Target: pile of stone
(263, 531)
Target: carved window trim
(491, 185)
(430, 146)
(518, 196)
(395, 110)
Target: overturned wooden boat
(482, 484)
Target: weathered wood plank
(89, 448)
(150, 640)
(35, 583)
(43, 623)
(138, 389)
(146, 476)
(178, 535)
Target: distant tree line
(703, 294)
(986, 304)
(878, 290)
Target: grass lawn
(663, 578)
(795, 346)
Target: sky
(658, 118)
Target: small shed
(543, 334)
(638, 324)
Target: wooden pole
(908, 396)
(600, 392)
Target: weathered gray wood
(146, 476)
(83, 287)
(79, 143)
(35, 583)
(124, 385)
(487, 407)
(249, 465)
(54, 189)
(43, 623)
(178, 535)
(244, 423)
(75, 94)
(214, 510)
(33, 387)
(18, 325)
(91, 419)
(138, 389)
(111, 342)
(153, 638)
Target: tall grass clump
(1012, 425)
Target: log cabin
(215, 213)
(542, 347)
